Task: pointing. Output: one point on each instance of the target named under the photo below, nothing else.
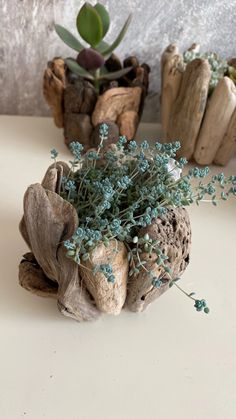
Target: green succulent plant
(93, 23)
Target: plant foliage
(92, 24)
(117, 190)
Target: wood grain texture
(49, 220)
(188, 109)
(54, 83)
(174, 232)
(115, 102)
(216, 120)
(33, 279)
(172, 71)
(41, 209)
(170, 51)
(73, 298)
(53, 177)
(228, 146)
(109, 297)
(28, 41)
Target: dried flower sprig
(120, 189)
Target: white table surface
(169, 362)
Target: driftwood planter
(46, 270)
(78, 109)
(205, 126)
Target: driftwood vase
(206, 126)
(48, 220)
(78, 109)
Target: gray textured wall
(27, 40)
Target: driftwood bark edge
(205, 125)
(77, 107)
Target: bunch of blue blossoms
(118, 189)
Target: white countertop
(169, 362)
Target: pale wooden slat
(216, 121)
(189, 107)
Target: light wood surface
(188, 109)
(173, 68)
(227, 148)
(216, 120)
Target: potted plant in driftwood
(112, 231)
(95, 87)
(199, 104)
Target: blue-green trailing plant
(117, 191)
(93, 23)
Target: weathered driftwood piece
(228, 146)
(114, 102)
(79, 102)
(41, 209)
(78, 126)
(232, 62)
(81, 293)
(53, 176)
(140, 79)
(167, 54)
(32, 278)
(52, 182)
(73, 298)
(174, 232)
(50, 220)
(80, 97)
(216, 121)
(113, 63)
(171, 81)
(194, 47)
(128, 123)
(74, 100)
(202, 121)
(109, 297)
(188, 109)
(53, 88)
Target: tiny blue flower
(132, 145)
(70, 185)
(103, 130)
(121, 141)
(69, 245)
(145, 145)
(156, 282)
(54, 153)
(76, 149)
(92, 155)
(124, 182)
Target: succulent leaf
(68, 38)
(114, 45)
(104, 17)
(116, 74)
(77, 69)
(102, 46)
(103, 71)
(89, 25)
